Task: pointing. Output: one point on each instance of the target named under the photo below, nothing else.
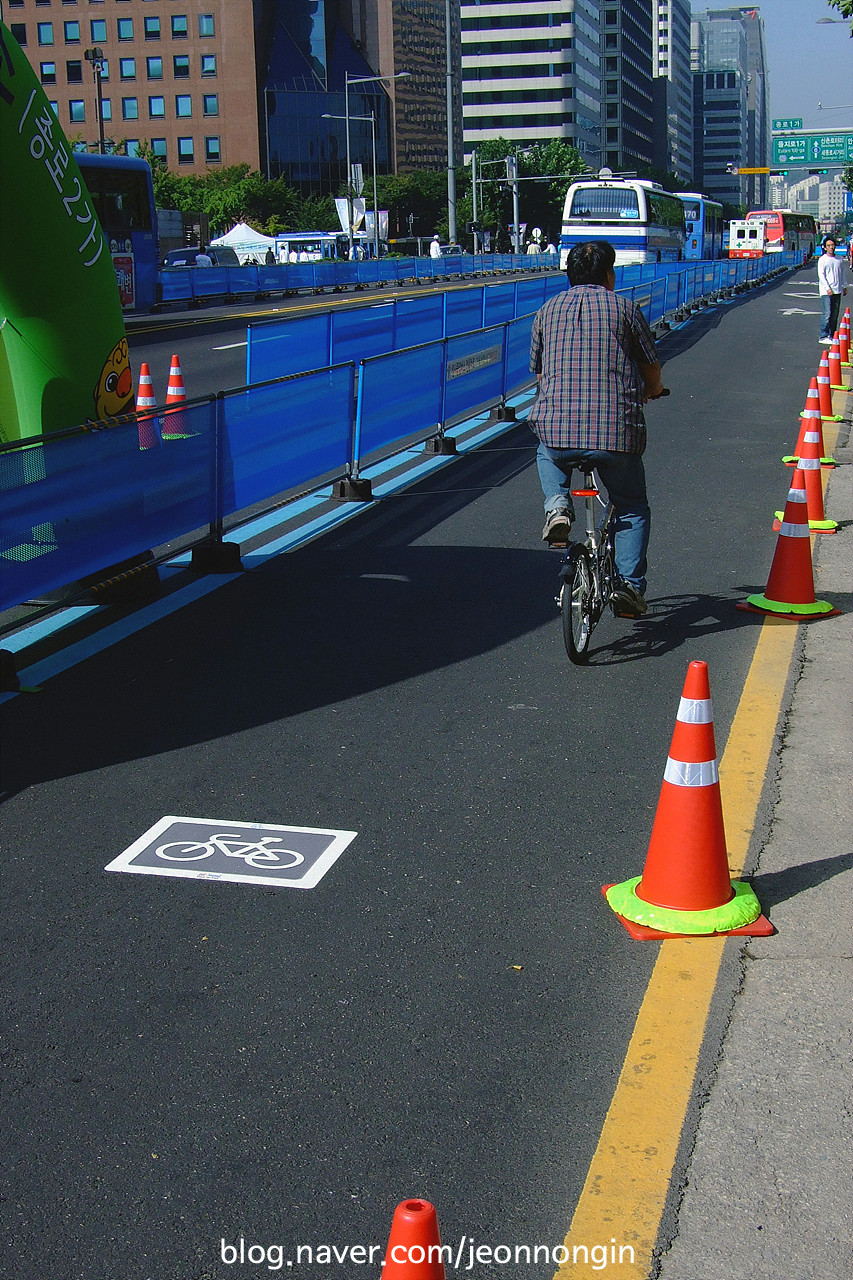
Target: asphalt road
(446, 1014)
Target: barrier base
(353, 489)
(9, 682)
(503, 413)
(760, 928)
(443, 445)
(216, 557)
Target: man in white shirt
(435, 248)
(832, 285)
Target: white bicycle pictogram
(255, 853)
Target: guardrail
(194, 285)
(77, 501)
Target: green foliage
(847, 175)
(845, 8)
(552, 165)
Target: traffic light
(814, 171)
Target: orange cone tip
(414, 1247)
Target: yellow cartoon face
(114, 392)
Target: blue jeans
(830, 305)
(624, 477)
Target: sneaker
(558, 526)
(628, 602)
(825, 342)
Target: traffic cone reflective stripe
(686, 886)
(790, 587)
(146, 422)
(414, 1245)
(176, 421)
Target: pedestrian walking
(832, 285)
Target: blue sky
(808, 63)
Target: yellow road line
(619, 1212)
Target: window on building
(152, 28)
(130, 108)
(611, 18)
(127, 68)
(186, 152)
(47, 73)
(77, 111)
(72, 32)
(611, 86)
(183, 105)
(125, 28)
(180, 27)
(611, 41)
(210, 104)
(98, 30)
(205, 24)
(181, 67)
(154, 68)
(45, 32)
(156, 108)
(74, 72)
(19, 31)
(158, 147)
(208, 64)
(212, 150)
(612, 111)
(107, 107)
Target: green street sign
(787, 124)
(813, 148)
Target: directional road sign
(807, 148)
(787, 124)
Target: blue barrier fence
(77, 501)
(200, 284)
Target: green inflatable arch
(63, 349)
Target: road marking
(229, 346)
(625, 1192)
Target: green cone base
(779, 609)
(816, 526)
(742, 911)
(791, 460)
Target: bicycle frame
(587, 573)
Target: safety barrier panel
(197, 284)
(276, 348)
(77, 501)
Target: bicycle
(587, 573)
(253, 853)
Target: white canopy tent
(248, 244)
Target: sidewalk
(769, 1191)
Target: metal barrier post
(213, 555)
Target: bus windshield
(605, 203)
(120, 198)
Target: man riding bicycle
(597, 364)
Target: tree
(545, 171)
(847, 177)
(845, 8)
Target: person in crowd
(435, 248)
(832, 285)
(595, 357)
(203, 258)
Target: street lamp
(348, 80)
(372, 118)
(97, 59)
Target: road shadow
(773, 887)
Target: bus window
(604, 203)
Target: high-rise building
(210, 83)
(722, 132)
(627, 79)
(759, 137)
(673, 89)
(531, 73)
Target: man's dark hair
(589, 263)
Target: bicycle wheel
(185, 851)
(576, 602)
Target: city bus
(703, 222)
(785, 231)
(643, 222)
(123, 195)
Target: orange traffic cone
(844, 340)
(686, 888)
(146, 422)
(414, 1248)
(810, 419)
(809, 464)
(825, 391)
(835, 364)
(790, 588)
(176, 421)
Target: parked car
(450, 250)
(220, 255)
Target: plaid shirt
(586, 344)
